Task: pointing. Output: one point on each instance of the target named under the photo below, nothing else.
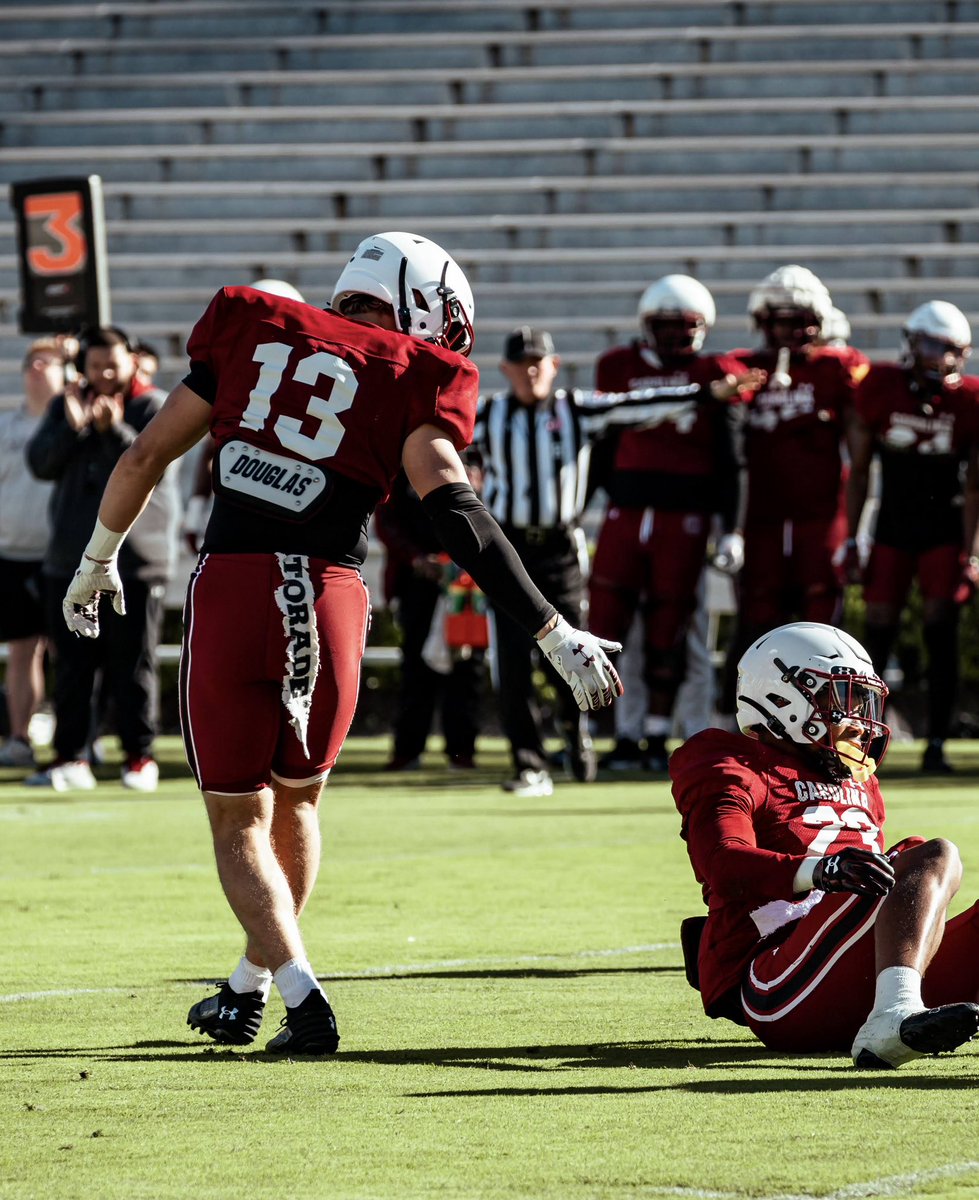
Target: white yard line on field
(891, 1185)
(380, 972)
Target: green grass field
(508, 983)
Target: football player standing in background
(313, 413)
(814, 937)
(921, 418)
(667, 481)
(794, 428)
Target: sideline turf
(507, 980)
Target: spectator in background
(414, 579)
(24, 534)
(920, 417)
(793, 433)
(147, 362)
(535, 445)
(85, 432)
(669, 481)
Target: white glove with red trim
(581, 660)
(98, 572)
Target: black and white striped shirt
(535, 458)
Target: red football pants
(814, 990)
(788, 573)
(890, 571)
(650, 557)
(263, 631)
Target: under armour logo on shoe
(227, 1014)
(589, 658)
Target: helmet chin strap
(404, 312)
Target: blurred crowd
(758, 483)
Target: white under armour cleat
(64, 777)
(141, 775)
(895, 1036)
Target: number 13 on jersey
(273, 358)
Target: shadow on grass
(771, 1073)
(512, 973)
(480, 973)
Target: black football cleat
(890, 1039)
(309, 1028)
(229, 1017)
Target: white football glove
(81, 603)
(729, 555)
(580, 659)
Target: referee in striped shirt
(535, 444)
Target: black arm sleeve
(476, 543)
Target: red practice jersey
(922, 440)
(792, 435)
(653, 465)
(750, 814)
(311, 413)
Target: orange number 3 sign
(61, 215)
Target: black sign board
(64, 276)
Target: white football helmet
(790, 287)
(787, 291)
(814, 685)
(835, 330)
(937, 341)
(278, 287)
(679, 311)
(424, 285)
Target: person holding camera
(78, 443)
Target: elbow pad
(475, 542)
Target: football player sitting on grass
(816, 938)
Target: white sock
(246, 977)
(898, 987)
(295, 980)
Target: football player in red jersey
(815, 937)
(667, 481)
(920, 417)
(313, 413)
(793, 430)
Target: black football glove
(854, 870)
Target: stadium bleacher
(567, 151)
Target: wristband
(103, 545)
(803, 877)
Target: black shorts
(21, 605)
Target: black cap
(526, 342)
